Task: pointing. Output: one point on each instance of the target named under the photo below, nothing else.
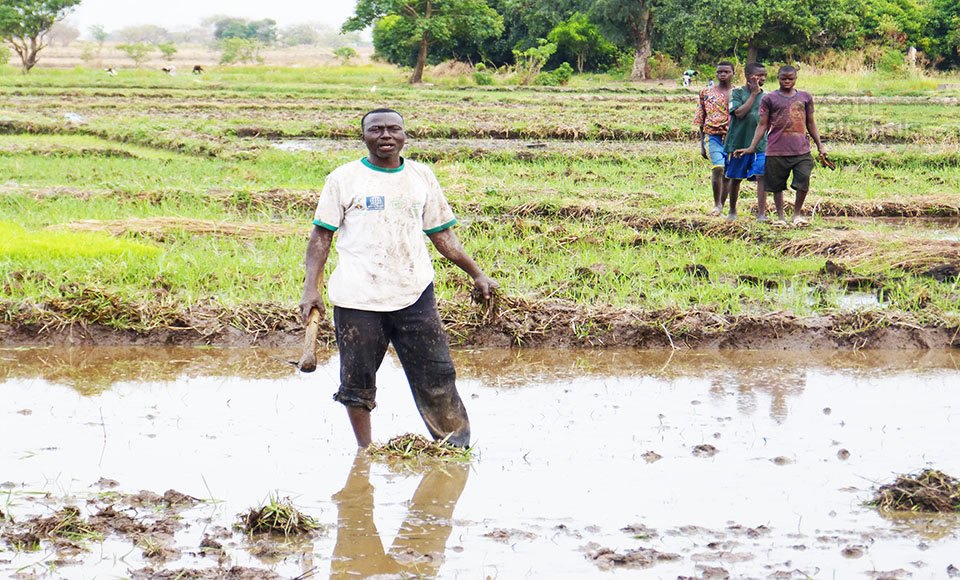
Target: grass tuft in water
(411, 446)
(927, 491)
(278, 516)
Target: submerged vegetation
(179, 209)
(929, 490)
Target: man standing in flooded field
(382, 288)
(744, 118)
(788, 114)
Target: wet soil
(570, 433)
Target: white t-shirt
(381, 216)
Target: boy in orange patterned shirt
(711, 120)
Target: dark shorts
(417, 335)
(779, 168)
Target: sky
(184, 14)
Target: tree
(429, 22)
(63, 33)
(943, 32)
(240, 50)
(25, 24)
(168, 50)
(581, 39)
(304, 34)
(344, 54)
(263, 31)
(138, 52)
(629, 22)
(150, 33)
(99, 33)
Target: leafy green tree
(530, 62)
(429, 22)
(942, 42)
(25, 24)
(240, 50)
(629, 23)
(345, 54)
(168, 50)
(99, 33)
(580, 39)
(263, 31)
(138, 52)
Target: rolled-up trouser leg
(421, 345)
(362, 338)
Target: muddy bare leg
(716, 182)
(798, 204)
(360, 421)
(778, 204)
(733, 187)
(761, 200)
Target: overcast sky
(183, 14)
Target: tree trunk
(751, 52)
(421, 60)
(642, 31)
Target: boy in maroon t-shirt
(788, 114)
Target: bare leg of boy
(778, 204)
(798, 206)
(716, 181)
(733, 187)
(761, 200)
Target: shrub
(4, 54)
(240, 50)
(663, 67)
(138, 52)
(558, 76)
(892, 63)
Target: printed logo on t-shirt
(375, 203)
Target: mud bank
(533, 325)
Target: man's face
(758, 76)
(787, 80)
(383, 135)
(724, 73)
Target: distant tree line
(595, 35)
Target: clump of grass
(278, 516)
(927, 491)
(66, 524)
(16, 242)
(411, 446)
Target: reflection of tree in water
(418, 549)
(91, 370)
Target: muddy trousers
(417, 335)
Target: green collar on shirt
(367, 163)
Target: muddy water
(577, 451)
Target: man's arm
(812, 129)
(449, 246)
(318, 250)
(744, 109)
(699, 120)
(757, 136)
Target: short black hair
(364, 118)
(726, 63)
(787, 68)
(753, 67)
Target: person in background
(711, 120)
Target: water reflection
(419, 546)
(779, 383)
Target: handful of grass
(277, 517)
(927, 491)
(411, 446)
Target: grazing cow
(110, 71)
(197, 69)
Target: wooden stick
(308, 360)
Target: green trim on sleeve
(367, 164)
(445, 226)
(324, 225)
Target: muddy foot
(731, 217)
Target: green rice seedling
(278, 516)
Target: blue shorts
(714, 147)
(746, 167)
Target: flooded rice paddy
(624, 463)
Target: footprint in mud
(704, 450)
(852, 552)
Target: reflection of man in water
(419, 546)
